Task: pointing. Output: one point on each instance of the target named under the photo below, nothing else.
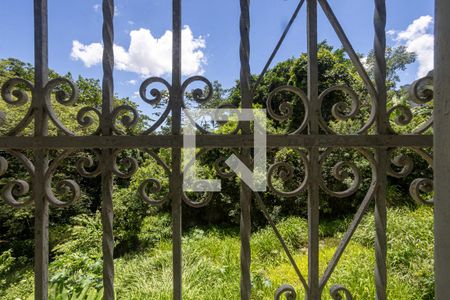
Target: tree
(335, 68)
(16, 226)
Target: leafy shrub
(410, 243)
(6, 263)
(78, 260)
(59, 292)
(267, 246)
(154, 229)
(11, 269)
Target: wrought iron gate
(375, 140)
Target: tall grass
(211, 266)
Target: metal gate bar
(381, 153)
(41, 160)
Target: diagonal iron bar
(347, 46)
(264, 210)
(352, 228)
(277, 47)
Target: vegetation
(147, 274)
(142, 233)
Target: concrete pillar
(441, 149)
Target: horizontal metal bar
(215, 141)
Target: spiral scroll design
(221, 168)
(64, 187)
(405, 166)
(286, 109)
(341, 174)
(200, 184)
(419, 185)
(67, 99)
(341, 111)
(122, 113)
(14, 92)
(404, 115)
(286, 172)
(205, 200)
(87, 167)
(197, 94)
(124, 167)
(402, 161)
(156, 100)
(85, 120)
(153, 185)
(424, 185)
(60, 95)
(337, 292)
(421, 92)
(17, 188)
(287, 290)
(155, 93)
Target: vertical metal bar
(41, 160)
(245, 191)
(106, 126)
(313, 189)
(381, 153)
(176, 177)
(441, 154)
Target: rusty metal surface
(442, 144)
(314, 141)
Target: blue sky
(211, 35)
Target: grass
(211, 262)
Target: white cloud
(363, 60)
(132, 82)
(148, 55)
(418, 39)
(98, 8)
(391, 33)
(89, 54)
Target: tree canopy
(335, 68)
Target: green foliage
(7, 261)
(11, 67)
(267, 246)
(78, 260)
(154, 229)
(211, 260)
(411, 243)
(16, 226)
(59, 292)
(211, 257)
(130, 209)
(397, 58)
